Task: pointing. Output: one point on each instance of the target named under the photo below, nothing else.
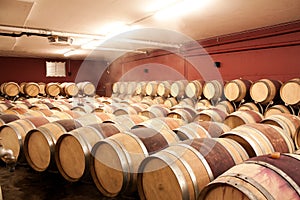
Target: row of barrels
(137, 104)
(157, 156)
(52, 89)
(261, 91)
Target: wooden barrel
(237, 90)
(73, 149)
(259, 139)
(131, 88)
(278, 109)
(288, 122)
(6, 118)
(5, 106)
(164, 88)
(170, 102)
(156, 111)
(69, 89)
(264, 90)
(116, 88)
(31, 89)
(39, 143)
(128, 110)
(297, 138)
(211, 114)
(238, 118)
(262, 177)
(126, 122)
(52, 89)
(141, 88)
(42, 87)
(203, 102)
(181, 113)
(161, 123)
(158, 100)
(123, 87)
(213, 90)
(86, 88)
(151, 88)
(13, 134)
(178, 88)
(251, 106)
(201, 129)
(182, 170)
(10, 89)
(225, 106)
(194, 89)
(290, 92)
(115, 171)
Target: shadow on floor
(27, 184)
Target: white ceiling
(91, 17)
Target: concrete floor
(26, 184)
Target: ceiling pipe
(14, 31)
(44, 32)
(151, 43)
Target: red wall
(34, 69)
(270, 52)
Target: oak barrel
(194, 89)
(164, 89)
(31, 89)
(211, 114)
(156, 111)
(290, 92)
(288, 122)
(141, 88)
(10, 89)
(86, 88)
(278, 109)
(241, 117)
(69, 89)
(237, 90)
(52, 89)
(115, 171)
(6, 118)
(14, 133)
(151, 88)
(259, 139)
(170, 102)
(73, 149)
(213, 90)
(262, 177)
(265, 90)
(178, 88)
(39, 143)
(181, 171)
(201, 129)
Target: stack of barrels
(11, 90)
(165, 140)
(265, 95)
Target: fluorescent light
(71, 53)
(180, 8)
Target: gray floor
(26, 184)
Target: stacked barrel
(165, 140)
(13, 90)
